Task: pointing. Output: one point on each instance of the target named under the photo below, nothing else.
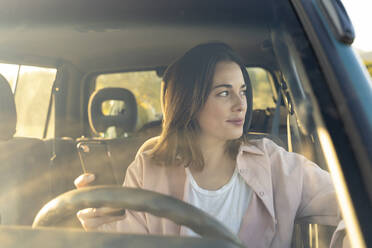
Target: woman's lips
(236, 122)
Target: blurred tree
(262, 92)
(369, 66)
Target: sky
(360, 13)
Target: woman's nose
(240, 103)
(240, 108)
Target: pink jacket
(286, 188)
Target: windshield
(190, 102)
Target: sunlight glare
(343, 196)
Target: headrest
(125, 118)
(8, 113)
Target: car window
(262, 84)
(145, 85)
(32, 87)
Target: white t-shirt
(227, 204)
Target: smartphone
(95, 159)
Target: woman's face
(223, 114)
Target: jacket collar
(250, 148)
(254, 167)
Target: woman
(203, 157)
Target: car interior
(96, 119)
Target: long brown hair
(186, 86)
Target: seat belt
(276, 120)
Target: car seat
(125, 117)
(118, 151)
(24, 167)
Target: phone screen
(95, 159)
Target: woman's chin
(234, 135)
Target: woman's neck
(218, 165)
(213, 151)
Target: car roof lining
(117, 35)
(111, 13)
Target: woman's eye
(243, 92)
(223, 93)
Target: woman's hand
(92, 218)
(84, 180)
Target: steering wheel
(135, 199)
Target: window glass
(262, 82)
(145, 85)
(32, 96)
(32, 88)
(10, 72)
